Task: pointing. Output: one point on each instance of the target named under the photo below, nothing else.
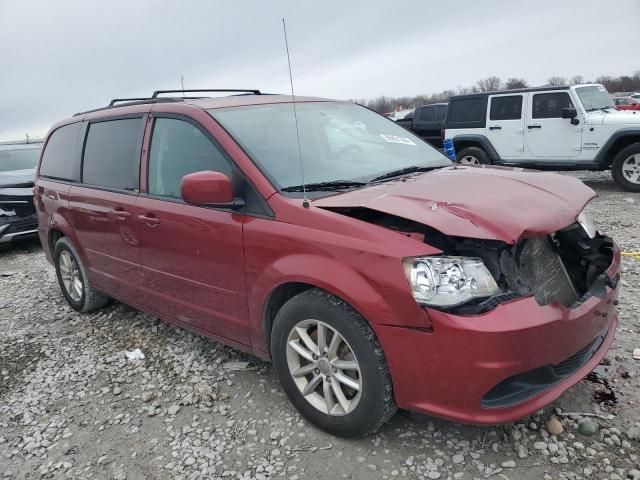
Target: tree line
(383, 104)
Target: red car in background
(626, 103)
(373, 272)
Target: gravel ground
(73, 406)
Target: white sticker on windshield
(601, 88)
(396, 139)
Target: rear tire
(73, 280)
(473, 156)
(344, 390)
(625, 168)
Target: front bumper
(18, 227)
(467, 367)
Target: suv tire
(625, 168)
(473, 156)
(343, 387)
(73, 280)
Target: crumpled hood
(477, 202)
(615, 117)
(17, 178)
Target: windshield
(19, 159)
(594, 97)
(338, 142)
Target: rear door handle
(149, 219)
(121, 214)
(495, 127)
(534, 126)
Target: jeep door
(192, 256)
(548, 135)
(505, 125)
(103, 206)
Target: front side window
(179, 148)
(550, 105)
(506, 108)
(112, 154)
(428, 114)
(338, 142)
(19, 159)
(59, 159)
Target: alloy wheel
(324, 367)
(631, 168)
(70, 274)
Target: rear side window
(467, 110)
(550, 105)
(177, 149)
(59, 160)
(112, 154)
(441, 113)
(506, 108)
(428, 114)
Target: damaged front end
(564, 267)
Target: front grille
(523, 386)
(543, 271)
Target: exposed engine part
(561, 268)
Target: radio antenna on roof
(305, 200)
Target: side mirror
(571, 113)
(208, 188)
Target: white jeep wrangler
(552, 128)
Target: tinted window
(59, 159)
(19, 159)
(506, 108)
(428, 114)
(550, 105)
(112, 154)
(177, 149)
(467, 110)
(442, 112)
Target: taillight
(442, 134)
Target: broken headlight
(448, 281)
(587, 224)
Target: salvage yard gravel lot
(72, 405)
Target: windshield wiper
(402, 171)
(324, 186)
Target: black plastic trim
(603, 158)
(520, 388)
(483, 141)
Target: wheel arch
(475, 140)
(618, 141)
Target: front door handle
(149, 219)
(495, 127)
(534, 126)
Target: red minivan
(373, 272)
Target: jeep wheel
(331, 365)
(625, 168)
(73, 280)
(473, 156)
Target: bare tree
(489, 84)
(556, 81)
(576, 80)
(513, 83)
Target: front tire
(625, 168)
(73, 280)
(331, 365)
(473, 156)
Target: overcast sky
(59, 57)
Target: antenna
(305, 200)
(182, 83)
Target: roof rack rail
(237, 90)
(119, 100)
